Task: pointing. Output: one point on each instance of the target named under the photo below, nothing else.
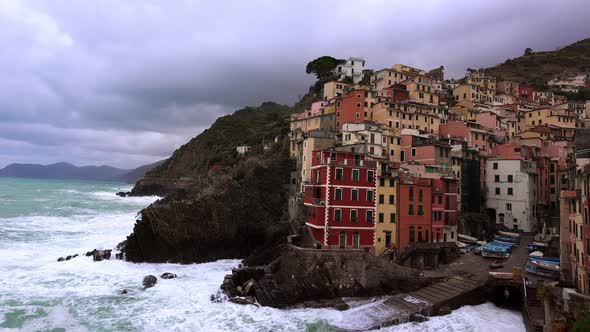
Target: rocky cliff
(240, 210)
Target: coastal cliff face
(238, 212)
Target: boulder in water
(68, 258)
(168, 275)
(61, 259)
(124, 291)
(149, 281)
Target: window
(339, 174)
(381, 182)
(510, 191)
(358, 115)
(370, 176)
(354, 194)
(420, 210)
(337, 215)
(496, 178)
(510, 178)
(358, 105)
(402, 156)
(495, 165)
(412, 234)
(355, 175)
(411, 193)
(508, 207)
(338, 194)
(420, 195)
(497, 191)
(391, 199)
(370, 196)
(411, 210)
(392, 218)
(381, 217)
(381, 199)
(391, 182)
(413, 152)
(369, 215)
(353, 215)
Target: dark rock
(68, 258)
(341, 306)
(444, 310)
(219, 222)
(123, 194)
(419, 318)
(76, 255)
(124, 291)
(168, 275)
(149, 281)
(100, 255)
(61, 259)
(91, 253)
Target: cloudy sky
(124, 83)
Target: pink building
(467, 131)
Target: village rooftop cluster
(393, 157)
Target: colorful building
(340, 200)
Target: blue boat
(551, 260)
(531, 268)
(506, 239)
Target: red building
(525, 92)
(352, 107)
(427, 210)
(340, 200)
(397, 92)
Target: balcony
(348, 162)
(318, 201)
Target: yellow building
(391, 144)
(474, 93)
(334, 89)
(479, 78)
(400, 116)
(385, 78)
(386, 217)
(321, 116)
(420, 89)
(548, 116)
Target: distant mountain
(537, 68)
(67, 171)
(136, 174)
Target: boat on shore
(505, 239)
(496, 264)
(466, 238)
(545, 265)
(541, 272)
(509, 234)
(492, 254)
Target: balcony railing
(318, 201)
(349, 162)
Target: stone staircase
(534, 309)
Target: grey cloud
(125, 82)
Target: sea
(42, 220)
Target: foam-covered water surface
(43, 220)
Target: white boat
(536, 254)
(546, 266)
(515, 235)
(466, 238)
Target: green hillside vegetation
(536, 68)
(217, 145)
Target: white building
(353, 68)
(511, 192)
(243, 149)
(569, 84)
(363, 138)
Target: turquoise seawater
(41, 220)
